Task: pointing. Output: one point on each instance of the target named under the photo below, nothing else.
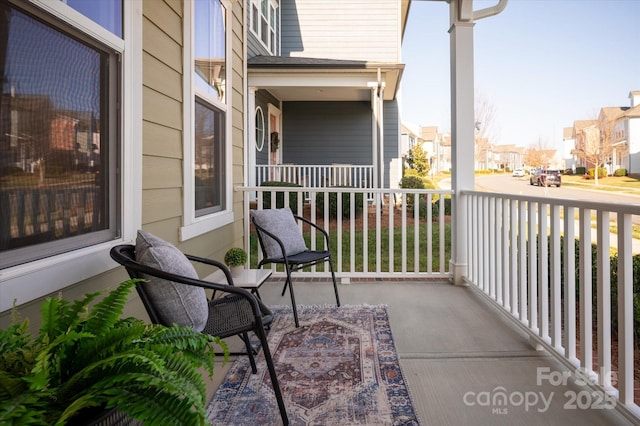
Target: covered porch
(457, 352)
(513, 318)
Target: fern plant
(89, 358)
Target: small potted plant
(235, 258)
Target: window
(207, 142)
(60, 140)
(264, 23)
(106, 13)
(259, 129)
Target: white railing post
(625, 311)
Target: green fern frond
(107, 312)
(23, 409)
(122, 335)
(164, 408)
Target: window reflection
(53, 141)
(209, 165)
(106, 13)
(209, 48)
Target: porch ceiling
(312, 79)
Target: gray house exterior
(325, 77)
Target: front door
(275, 141)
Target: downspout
(380, 99)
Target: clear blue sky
(541, 63)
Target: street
(506, 184)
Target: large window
(264, 23)
(208, 142)
(59, 137)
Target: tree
(484, 111)
(418, 161)
(594, 143)
(538, 154)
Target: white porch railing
(535, 284)
(383, 238)
(317, 176)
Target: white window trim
(34, 280)
(264, 130)
(274, 50)
(194, 226)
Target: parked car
(544, 177)
(518, 173)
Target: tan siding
(161, 172)
(161, 78)
(161, 140)
(161, 109)
(159, 45)
(159, 204)
(161, 16)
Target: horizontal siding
(353, 29)
(326, 133)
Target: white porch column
(462, 129)
(251, 138)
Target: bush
(620, 172)
(293, 196)
(435, 207)
(346, 203)
(411, 182)
(602, 172)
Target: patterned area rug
(340, 367)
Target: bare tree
(594, 143)
(485, 112)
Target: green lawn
(624, 184)
(384, 250)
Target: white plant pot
(236, 270)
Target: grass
(384, 262)
(624, 184)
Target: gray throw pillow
(175, 303)
(279, 222)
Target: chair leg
(272, 374)
(335, 285)
(284, 288)
(293, 297)
(252, 359)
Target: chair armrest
(258, 308)
(212, 262)
(308, 222)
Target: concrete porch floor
(457, 353)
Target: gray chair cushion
(279, 222)
(175, 303)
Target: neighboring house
(579, 137)
(323, 79)
(508, 157)
(568, 151)
(409, 137)
(113, 119)
(619, 134)
(630, 133)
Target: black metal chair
(235, 313)
(275, 233)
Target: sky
(541, 64)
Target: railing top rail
(565, 202)
(314, 165)
(342, 189)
